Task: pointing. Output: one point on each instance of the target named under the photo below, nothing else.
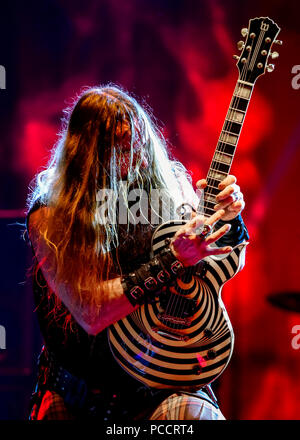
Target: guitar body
(183, 340)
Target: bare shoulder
(39, 214)
(43, 245)
(38, 220)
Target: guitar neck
(226, 146)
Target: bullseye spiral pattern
(163, 354)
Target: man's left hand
(230, 197)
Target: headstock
(256, 49)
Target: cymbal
(286, 300)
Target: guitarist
(89, 274)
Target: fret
(211, 180)
(223, 147)
(237, 110)
(227, 142)
(235, 115)
(208, 196)
(229, 138)
(209, 205)
(214, 185)
(219, 167)
(232, 127)
(223, 158)
(217, 175)
(246, 82)
(242, 91)
(212, 189)
(239, 103)
(206, 210)
(238, 97)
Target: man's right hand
(189, 247)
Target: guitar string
(230, 114)
(177, 300)
(228, 126)
(231, 110)
(253, 60)
(240, 89)
(176, 303)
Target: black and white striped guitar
(185, 339)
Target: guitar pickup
(200, 269)
(187, 308)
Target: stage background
(176, 56)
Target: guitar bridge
(170, 335)
(174, 319)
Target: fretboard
(226, 146)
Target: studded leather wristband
(142, 284)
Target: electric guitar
(184, 339)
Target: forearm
(123, 295)
(114, 298)
(112, 307)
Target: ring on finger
(204, 231)
(235, 197)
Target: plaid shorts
(178, 406)
(183, 406)
(51, 406)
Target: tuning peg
(235, 57)
(270, 67)
(240, 45)
(274, 55)
(244, 32)
(278, 42)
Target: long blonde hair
(88, 156)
